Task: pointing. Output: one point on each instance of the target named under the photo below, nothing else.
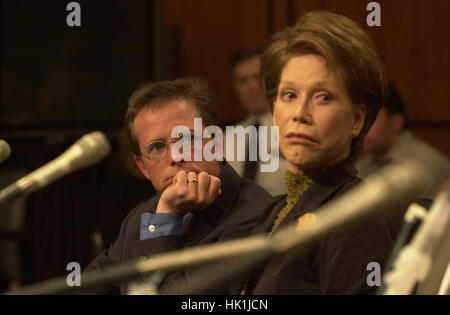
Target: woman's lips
(296, 137)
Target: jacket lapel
(265, 223)
(200, 225)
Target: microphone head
(5, 150)
(90, 149)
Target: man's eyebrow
(154, 140)
(191, 131)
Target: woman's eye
(288, 96)
(323, 99)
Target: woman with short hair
(325, 83)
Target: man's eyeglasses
(156, 150)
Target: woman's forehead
(311, 70)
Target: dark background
(59, 82)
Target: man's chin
(166, 184)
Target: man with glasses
(199, 201)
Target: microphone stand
(392, 189)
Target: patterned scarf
(297, 184)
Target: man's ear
(141, 166)
(359, 117)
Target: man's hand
(189, 192)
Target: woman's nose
(302, 113)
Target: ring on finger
(192, 180)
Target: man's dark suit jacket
(232, 215)
(337, 264)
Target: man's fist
(189, 192)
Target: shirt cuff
(160, 224)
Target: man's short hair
(245, 54)
(394, 102)
(157, 94)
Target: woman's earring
(355, 133)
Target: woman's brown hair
(347, 50)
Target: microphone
(412, 219)
(88, 150)
(414, 263)
(391, 189)
(5, 151)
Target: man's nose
(175, 153)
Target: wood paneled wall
(200, 37)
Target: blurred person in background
(246, 67)
(389, 140)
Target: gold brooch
(304, 220)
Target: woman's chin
(299, 161)
(296, 165)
